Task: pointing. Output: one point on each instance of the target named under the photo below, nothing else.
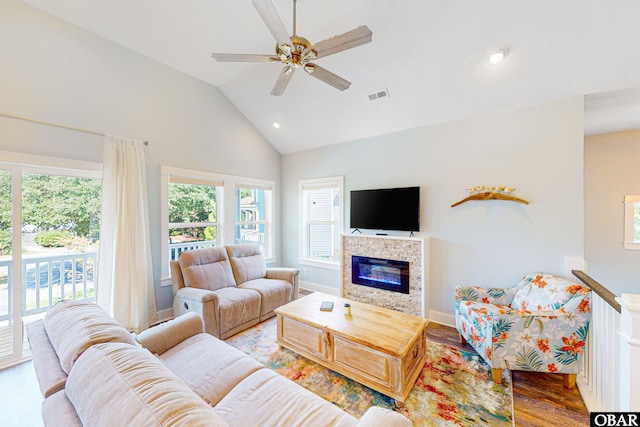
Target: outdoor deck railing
(175, 249)
(48, 279)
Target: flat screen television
(396, 209)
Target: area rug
(453, 389)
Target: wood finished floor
(539, 399)
(21, 401)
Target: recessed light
(497, 55)
(276, 125)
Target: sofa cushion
(74, 326)
(247, 262)
(116, 384)
(237, 306)
(251, 403)
(57, 410)
(206, 268)
(544, 292)
(274, 293)
(51, 377)
(209, 366)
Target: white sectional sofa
(93, 373)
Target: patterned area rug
(453, 389)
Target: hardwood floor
(539, 399)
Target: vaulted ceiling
(429, 54)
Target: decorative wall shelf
(490, 193)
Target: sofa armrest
(381, 417)
(57, 410)
(497, 296)
(51, 377)
(196, 295)
(288, 274)
(201, 301)
(162, 337)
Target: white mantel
(415, 250)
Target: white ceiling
(429, 54)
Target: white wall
(537, 150)
(54, 71)
(612, 170)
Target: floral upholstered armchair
(540, 325)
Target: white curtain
(125, 276)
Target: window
(205, 209)
(252, 217)
(193, 214)
(321, 220)
(632, 222)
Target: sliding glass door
(9, 338)
(49, 238)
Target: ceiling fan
(297, 52)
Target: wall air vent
(384, 93)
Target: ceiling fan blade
(269, 15)
(348, 40)
(327, 76)
(242, 57)
(283, 80)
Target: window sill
(327, 265)
(632, 246)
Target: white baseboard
(442, 318)
(587, 393)
(310, 286)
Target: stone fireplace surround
(415, 250)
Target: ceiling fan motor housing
(298, 54)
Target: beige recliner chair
(230, 287)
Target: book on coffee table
(326, 306)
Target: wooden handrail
(596, 287)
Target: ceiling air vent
(384, 93)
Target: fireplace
(379, 273)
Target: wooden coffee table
(380, 348)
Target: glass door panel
(49, 236)
(60, 235)
(7, 318)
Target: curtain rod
(43, 122)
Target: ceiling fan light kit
(297, 52)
